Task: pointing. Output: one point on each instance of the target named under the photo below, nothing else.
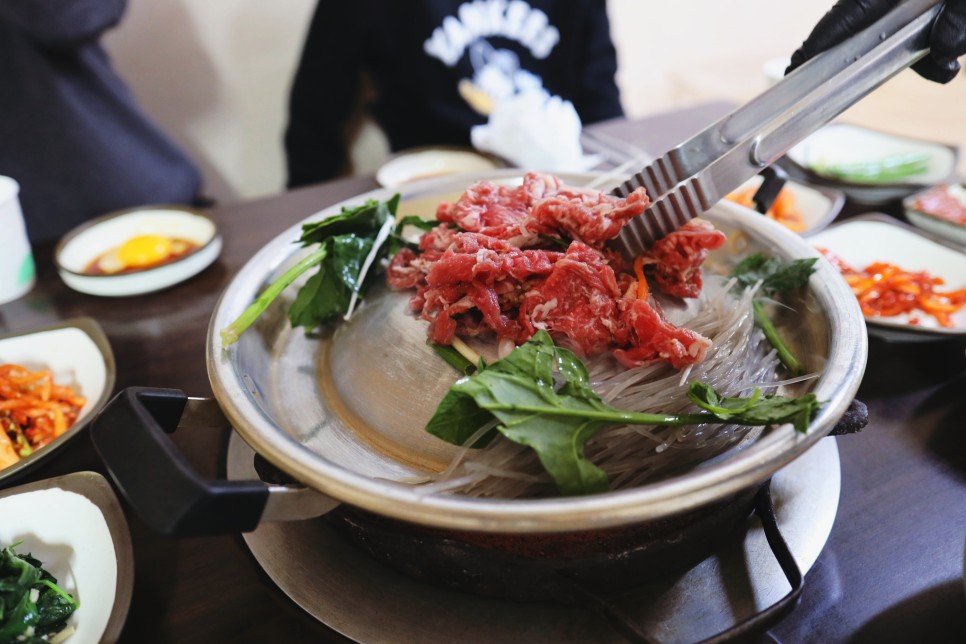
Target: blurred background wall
(215, 75)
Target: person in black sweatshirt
(429, 70)
(71, 133)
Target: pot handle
(855, 418)
(773, 180)
(131, 437)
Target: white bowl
(932, 222)
(870, 238)
(84, 244)
(75, 526)
(845, 143)
(79, 356)
(818, 205)
(428, 163)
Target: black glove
(947, 40)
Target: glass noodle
(739, 360)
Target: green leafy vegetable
(396, 242)
(540, 396)
(32, 605)
(755, 409)
(776, 277)
(362, 221)
(345, 242)
(325, 296)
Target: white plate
(841, 143)
(818, 205)
(416, 165)
(75, 526)
(79, 356)
(864, 240)
(939, 226)
(84, 244)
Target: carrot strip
(642, 289)
(784, 209)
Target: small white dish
(877, 238)
(83, 245)
(430, 163)
(817, 205)
(75, 526)
(921, 211)
(79, 356)
(844, 144)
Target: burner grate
(755, 625)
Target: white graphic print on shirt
(497, 74)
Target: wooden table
(892, 569)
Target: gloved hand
(848, 17)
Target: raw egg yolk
(144, 250)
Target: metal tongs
(692, 177)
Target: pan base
(366, 601)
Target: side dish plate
(83, 245)
(817, 206)
(428, 163)
(75, 526)
(952, 226)
(845, 145)
(877, 238)
(79, 355)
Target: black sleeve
(599, 97)
(62, 24)
(324, 93)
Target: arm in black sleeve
(324, 93)
(598, 98)
(62, 24)
(846, 18)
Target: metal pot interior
(343, 412)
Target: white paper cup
(17, 274)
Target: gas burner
(366, 601)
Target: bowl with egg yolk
(136, 251)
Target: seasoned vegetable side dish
(33, 411)
(888, 290)
(600, 375)
(33, 608)
(945, 202)
(784, 210)
(889, 169)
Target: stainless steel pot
(343, 414)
